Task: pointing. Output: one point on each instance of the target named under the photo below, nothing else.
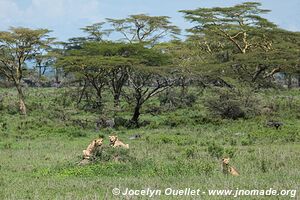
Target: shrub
(65, 98)
(59, 114)
(154, 110)
(119, 121)
(232, 103)
(105, 154)
(35, 106)
(175, 99)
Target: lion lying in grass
(115, 142)
(227, 169)
(92, 148)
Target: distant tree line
(139, 57)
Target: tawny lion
(227, 169)
(115, 142)
(90, 150)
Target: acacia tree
(42, 63)
(137, 29)
(145, 83)
(96, 32)
(98, 65)
(282, 57)
(88, 69)
(16, 47)
(142, 28)
(238, 25)
(186, 57)
(287, 55)
(242, 34)
(43, 59)
(117, 64)
(117, 79)
(147, 78)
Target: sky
(66, 17)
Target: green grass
(39, 153)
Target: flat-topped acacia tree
(145, 83)
(241, 25)
(144, 70)
(248, 39)
(146, 31)
(94, 63)
(283, 57)
(17, 46)
(96, 32)
(143, 28)
(99, 64)
(151, 75)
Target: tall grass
(179, 148)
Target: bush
(154, 110)
(120, 121)
(175, 99)
(105, 154)
(232, 104)
(65, 98)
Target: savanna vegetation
(228, 89)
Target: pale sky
(66, 17)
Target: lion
(227, 169)
(115, 142)
(90, 150)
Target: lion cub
(227, 169)
(115, 142)
(92, 147)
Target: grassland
(178, 149)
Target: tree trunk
(136, 114)
(56, 76)
(99, 96)
(183, 89)
(116, 100)
(22, 105)
(82, 93)
(117, 82)
(289, 81)
(40, 72)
